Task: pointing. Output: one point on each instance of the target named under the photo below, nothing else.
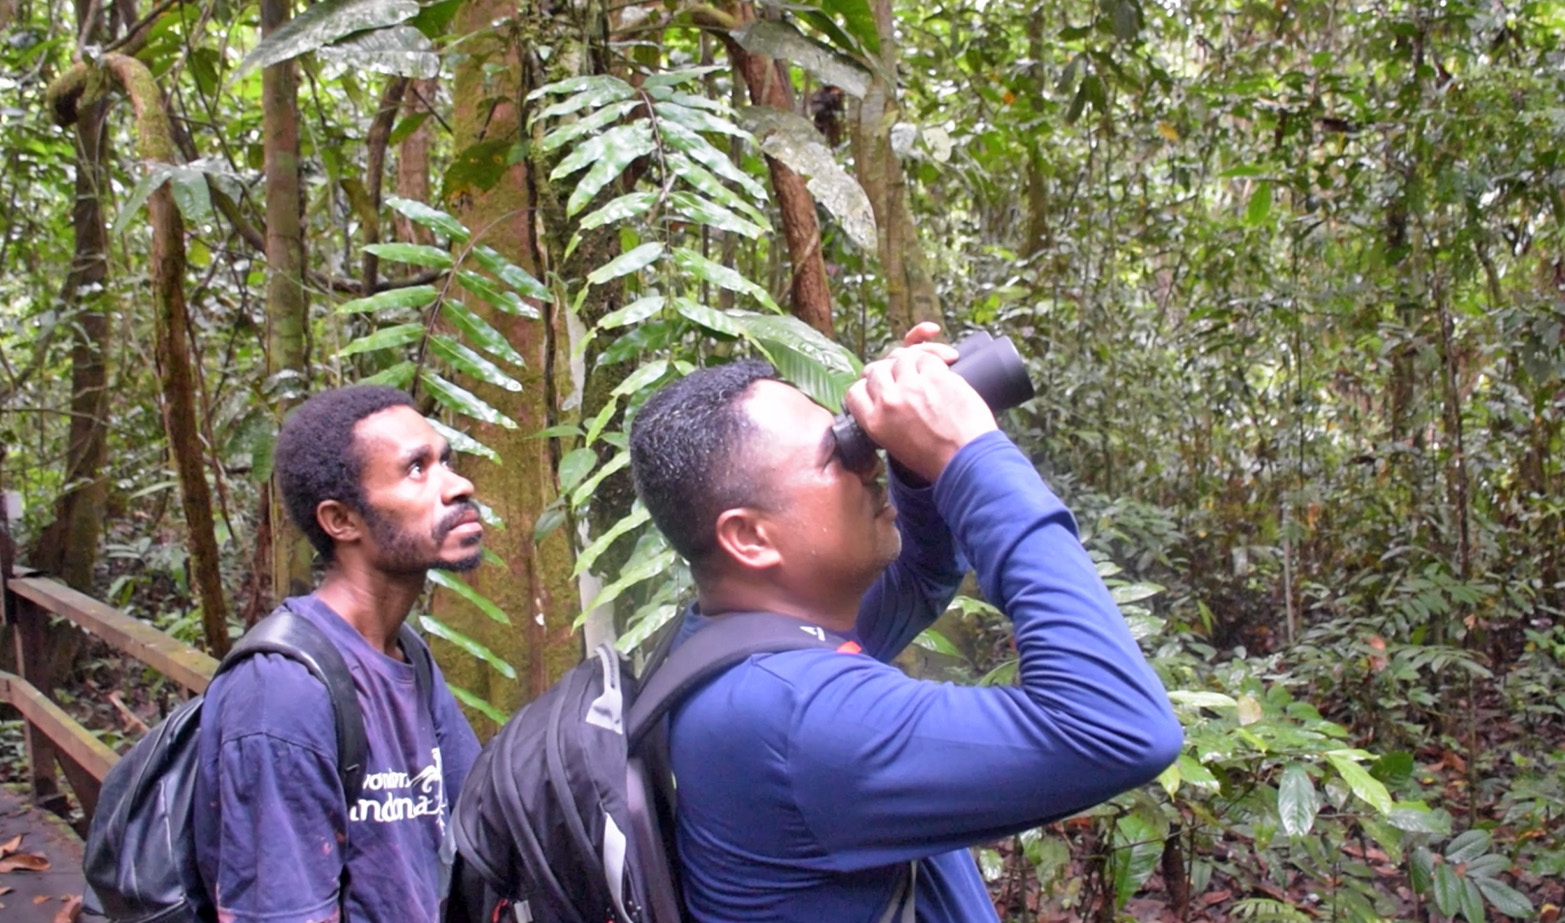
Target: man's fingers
(921, 333)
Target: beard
(403, 551)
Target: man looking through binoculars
(826, 785)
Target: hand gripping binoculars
(992, 366)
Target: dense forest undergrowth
(1289, 277)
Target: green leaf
(1472, 901)
(399, 50)
(462, 442)
(1134, 592)
(441, 630)
(601, 420)
(710, 318)
(470, 363)
(637, 516)
(412, 254)
(504, 301)
(322, 23)
(701, 151)
(590, 93)
(633, 574)
(478, 332)
(458, 586)
(1416, 817)
(1504, 898)
(790, 138)
(550, 519)
(699, 120)
(623, 208)
(157, 174)
(815, 364)
(705, 211)
(576, 465)
(932, 640)
(1137, 848)
(779, 39)
(626, 263)
(1195, 699)
(432, 218)
(384, 338)
(636, 136)
(1296, 801)
(635, 142)
(479, 705)
(1447, 890)
(1195, 774)
(642, 377)
(398, 376)
(586, 125)
(510, 273)
(1363, 785)
(477, 168)
(413, 296)
(638, 310)
(406, 126)
(722, 276)
(1260, 204)
(561, 431)
(590, 485)
(463, 401)
(703, 180)
(674, 78)
(1467, 847)
(191, 194)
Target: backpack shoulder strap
(728, 640)
(296, 637)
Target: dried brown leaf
(11, 845)
(71, 910)
(24, 862)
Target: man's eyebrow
(420, 453)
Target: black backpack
(140, 854)
(567, 814)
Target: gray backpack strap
(903, 906)
(418, 655)
(296, 637)
(728, 640)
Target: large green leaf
(623, 208)
(1296, 801)
(790, 138)
(398, 376)
(1137, 846)
(1504, 898)
(590, 93)
(588, 487)
(479, 333)
(626, 263)
(1369, 789)
(637, 572)
(699, 120)
(637, 516)
(413, 254)
(432, 218)
(674, 78)
(157, 174)
(635, 136)
(462, 442)
(400, 50)
(587, 125)
(441, 630)
(413, 296)
(710, 318)
(722, 276)
(642, 377)
(812, 362)
(506, 301)
(575, 466)
(705, 181)
(479, 705)
(463, 401)
(510, 273)
(458, 586)
(638, 310)
(1468, 846)
(702, 210)
(322, 23)
(778, 39)
(385, 338)
(635, 142)
(470, 363)
(858, 18)
(701, 151)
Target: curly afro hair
(685, 453)
(317, 457)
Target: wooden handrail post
(7, 549)
(32, 665)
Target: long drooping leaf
(710, 318)
(462, 442)
(679, 77)
(590, 486)
(414, 296)
(458, 586)
(704, 211)
(722, 276)
(642, 377)
(623, 208)
(157, 174)
(590, 93)
(626, 263)
(638, 310)
(323, 23)
(587, 125)
(813, 363)
(384, 338)
(501, 299)
(703, 179)
(701, 151)
(633, 574)
(470, 363)
(478, 332)
(442, 630)
(1369, 789)
(510, 273)
(400, 50)
(412, 254)
(699, 120)
(608, 167)
(778, 39)
(636, 517)
(1296, 802)
(794, 141)
(637, 135)
(479, 705)
(463, 401)
(432, 218)
(397, 376)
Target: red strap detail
(850, 647)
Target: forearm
(919, 585)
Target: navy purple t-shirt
(276, 828)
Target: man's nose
(456, 488)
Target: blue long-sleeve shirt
(809, 779)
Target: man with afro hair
(369, 481)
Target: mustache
(460, 512)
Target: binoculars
(992, 366)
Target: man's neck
(375, 604)
(719, 597)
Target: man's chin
(461, 565)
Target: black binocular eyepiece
(992, 366)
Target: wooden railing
(54, 737)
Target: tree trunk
(534, 587)
(413, 160)
(287, 304)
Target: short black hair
(685, 453)
(317, 456)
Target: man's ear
(340, 523)
(745, 535)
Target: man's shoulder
(273, 695)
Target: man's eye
(416, 469)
